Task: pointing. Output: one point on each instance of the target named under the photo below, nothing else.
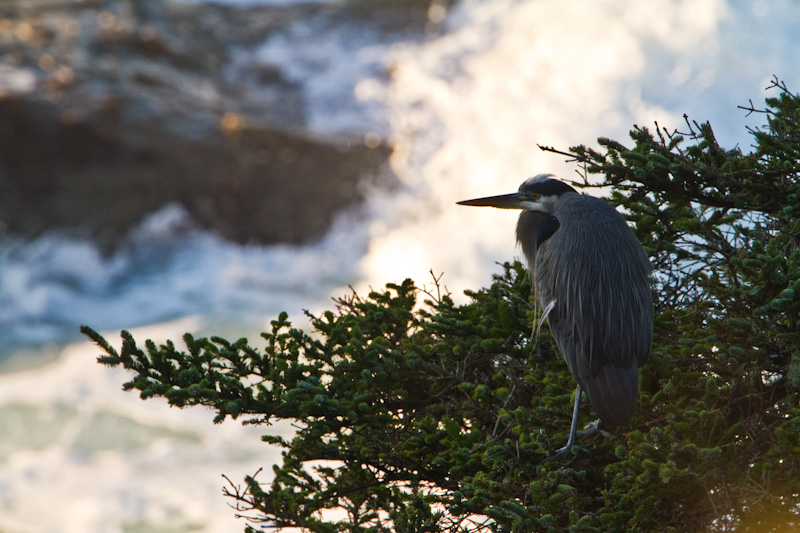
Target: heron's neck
(528, 226)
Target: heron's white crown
(538, 178)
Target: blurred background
(185, 165)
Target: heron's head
(540, 193)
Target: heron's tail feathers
(613, 392)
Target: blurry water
(465, 111)
(166, 269)
(78, 455)
(468, 110)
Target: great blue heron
(593, 280)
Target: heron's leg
(573, 429)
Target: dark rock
(250, 185)
(112, 109)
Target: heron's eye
(535, 196)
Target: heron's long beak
(504, 201)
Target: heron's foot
(560, 452)
(594, 427)
(591, 428)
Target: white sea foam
(79, 455)
(310, 53)
(166, 269)
(468, 110)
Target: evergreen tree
(427, 416)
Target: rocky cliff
(110, 109)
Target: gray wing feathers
(613, 393)
(598, 273)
